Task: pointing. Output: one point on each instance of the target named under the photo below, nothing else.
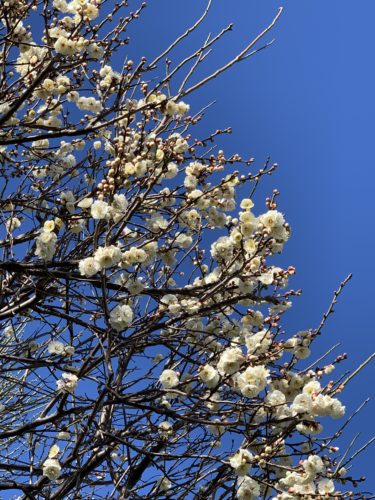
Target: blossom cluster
(149, 289)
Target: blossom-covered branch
(143, 353)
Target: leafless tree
(142, 351)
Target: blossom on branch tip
(51, 469)
(169, 379)
(121, 317)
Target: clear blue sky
(308, 101)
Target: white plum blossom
(89, 267)
(163, 484)
(267, 278)
(67, 383)
(134, 256)
(100, 209)
(249, 489)
(89, 104)
(324, 405)
(95, 51)
(183, 240)
(46, 245)
(302, 404)
(134, 287)
(312, 388)
(85, 203)
(121, 317)
(272, 219)
(230, 360)
(12, 224)
(253, 380)
(326, 487)
(171, 302)
(301, 352)
(246, 204)
(304, 490)
(313, 465)
(222, 249)
(69, 200)
(258, 342)
(56, 347)
(118, 207)
(169, 379)
(275, 398)
(51, 469)
(65, 46)
(90, 11)
(59, 348)
(241, 461)
(209, 376)
(108, 256)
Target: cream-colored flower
(52, 469)
(241, 461)
(169, 379)
(89, 267)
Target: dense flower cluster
(141, 299)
